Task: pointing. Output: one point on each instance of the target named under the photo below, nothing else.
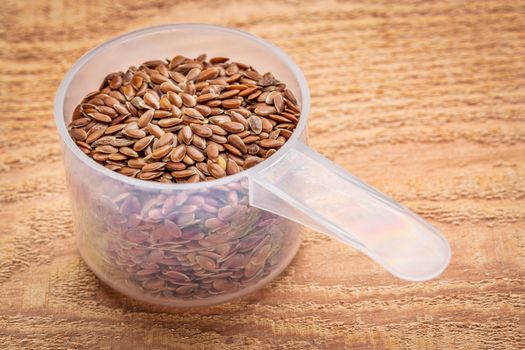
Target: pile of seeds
(185, 120)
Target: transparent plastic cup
(205, 243)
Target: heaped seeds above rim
(171, 118)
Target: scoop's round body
(175, 245)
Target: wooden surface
(424, 100)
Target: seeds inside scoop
(185, 120)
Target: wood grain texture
(427, 102)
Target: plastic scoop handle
(307, 188)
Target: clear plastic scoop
(295, 182)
